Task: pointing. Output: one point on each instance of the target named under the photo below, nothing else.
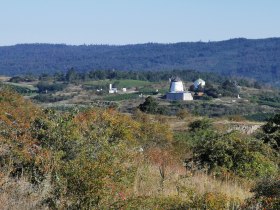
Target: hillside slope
(258, 59)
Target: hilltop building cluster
(177, 91)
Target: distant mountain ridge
(258, 59)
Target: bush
(271, 132)
(19, 152)
(50, 98)
(268, 187)
(206, 97)
(246, 157)
(211, 91)
(203, 124)
(182, 114)
(267, 195)
(208, 201)
(229, 88)
(50, 87)
(151, 106)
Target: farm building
(198, 82)
(112, 90)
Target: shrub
(209, 201)
(51, 87)
(267, 195)
(92, 155)
(211, 91)
(50, 98)
(229, 88)
(20, 154)
(242, 155)
(268, 187)
(203, 124)
(271, 132)
(150, 105)
(182, 114)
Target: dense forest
(256, 59)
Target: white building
(176, 91)
(198, 82)
(112, 90)
(176, 85)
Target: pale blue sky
(136, 21)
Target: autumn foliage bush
(89, 155)
(20, 152)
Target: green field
(25, 86)
(121, 97)
(20, 88)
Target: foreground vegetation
(96, 158)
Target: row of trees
(74, 76)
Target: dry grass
(4, 78)
(178, 182)
(20, 194)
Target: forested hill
(259, 59)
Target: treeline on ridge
(74, 76)
(256, 59)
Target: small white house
(112, 90)
(124, 89)
(198, 82)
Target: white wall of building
(177, 87)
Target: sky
(119, 22)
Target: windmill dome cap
(176, 85)
(176, 79)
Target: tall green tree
(150, 105)
(271, 132)
(71, 75)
